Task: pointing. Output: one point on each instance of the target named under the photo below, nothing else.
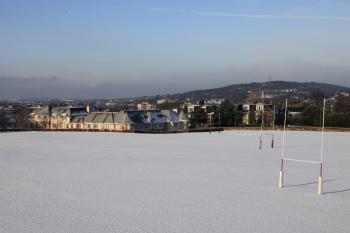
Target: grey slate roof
(100, 117)
(107, 118)
(121, 117)
(90, 117)
(77, 119)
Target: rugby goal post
(262, 124)
(262, 120)
(284, 158)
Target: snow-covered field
(200, 182)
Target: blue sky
(132, 48)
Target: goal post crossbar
(301, 160)
(267, 134)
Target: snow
(177, 183)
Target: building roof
(77, 119)
(147, 117)
(107, 118)
(131, 117)
(183, 117)
(69, 111)
(100, 117)
(40, 111)
(96, 117)
(171, 116)
(121, 117)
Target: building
(145, 106)
(158, 121)
(61, 117)
(39, 118)
(192, 107)
(78, 118)
(56, 118)
(296, 109)
(7, 119)
(264, 112)
(108, 121)
(251, 114)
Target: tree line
(310, 114)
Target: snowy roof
(147, 117)
(133, 117)
(183, 117)
(171, 115)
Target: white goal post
(262, 124)
(284, 158)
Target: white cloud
(256, 16)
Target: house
(57, 118)
(108, 121)
(247, 113)
(78, 118)
(208, 109)
(296, 109)
(264, 111)
(148, 121)
(192, 107)
(76, 122)
(61, 117)
(135, 121)
(175, 121)
(7, 119)
(216, 102)
(39, 118)
(158, 121)
(145, 106)
(251, 114)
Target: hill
(274, 89)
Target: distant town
(168, 114)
